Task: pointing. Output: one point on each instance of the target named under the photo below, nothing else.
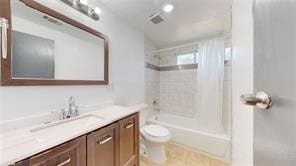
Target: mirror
(49, 48)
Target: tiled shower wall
(176, 90)
(152, 81)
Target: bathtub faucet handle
(155, 102)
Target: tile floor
(178, 156)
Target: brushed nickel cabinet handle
(127, 126)
(4, 27)
(65, 162)
(104, 140)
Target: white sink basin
(64, 128)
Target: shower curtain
(210, 76)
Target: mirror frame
(6, 66)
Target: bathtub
(186, 131)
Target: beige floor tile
(196, 159)
(175, 162)
(179, 156)
(175, 152)
(214, 162)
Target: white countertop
(20, 143)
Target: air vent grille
(156, 18)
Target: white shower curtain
(210, 76)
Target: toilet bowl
(155, 137)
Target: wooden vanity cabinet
(68, 154)
(114, 145)
(129, 141)
(103, 147)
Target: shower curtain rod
(185, 45)
(172, 48)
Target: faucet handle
(155, 102)
(76, 110)
(63, 114)
(72, 100)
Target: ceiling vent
(156, 18)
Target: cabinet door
(72, 153)
(102, 147)
(129, 140)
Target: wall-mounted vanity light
(83, 7)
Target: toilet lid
(156, 130)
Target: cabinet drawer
(129, 137)
(102, 147)
(72, 153)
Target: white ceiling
(191, 19)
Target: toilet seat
(156, 131)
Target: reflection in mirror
(47, 48)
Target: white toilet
(155, 137)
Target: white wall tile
(178, 88)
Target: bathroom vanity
(113, 145)
(106, 137)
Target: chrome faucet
(72, 110)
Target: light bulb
(75, 2)
(98, 11)
(168, 8)
(83, 2)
